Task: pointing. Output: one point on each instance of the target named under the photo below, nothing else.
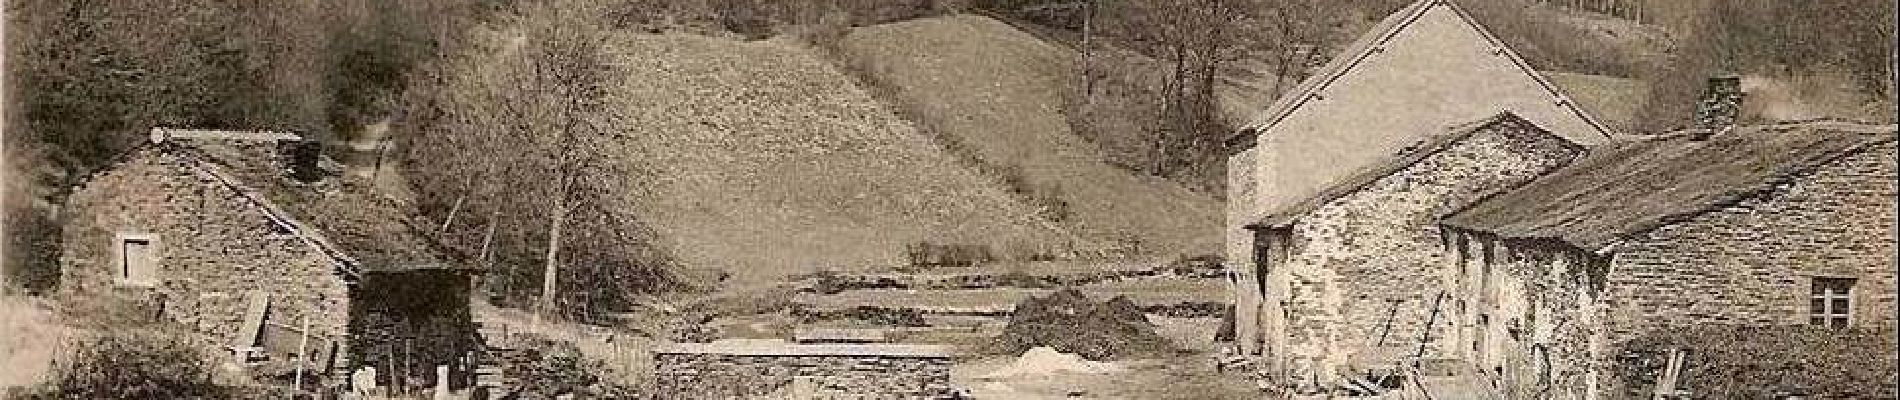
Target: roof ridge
(1371, 42)
(1499, 215)
(1431, 144)
(304, 232)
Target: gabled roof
(1432, 144)
(1629, 188)
(358, 231)
(1357, 54)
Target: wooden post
(303, 340)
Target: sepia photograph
(949, 199)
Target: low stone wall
(740, 369)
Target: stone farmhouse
(1426, 198)
(1761, 225)
(242, 237)
(1424, 69)
(1339, 268)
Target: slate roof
(1431, 144)
(360, 231)
(1631, 187)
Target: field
(998, 94)
(771, 162)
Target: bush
(1729, 362)
(133, 364)
(926, 255)
(556, 368)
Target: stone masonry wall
(1751, 263)
(797, 372)
(212, 249)
(1370, 264)
(1528, 314)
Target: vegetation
(533, 112)
(1776, 40)
(101, 73)
(1731, 362)
(133, 364)
(556, 368)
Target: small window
(1830, 302)
(137, 260)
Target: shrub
(555, 368)
(926, 255)
(1729, 362)
(133, 364)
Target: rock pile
(1070, 322)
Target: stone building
(240, 236)
(1427, 66)
(1523, 249)
(1352, 276)
(1760, 225)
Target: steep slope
(772, 162)
(1613, 101)
(998, 93)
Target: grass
(1614, 101)
(1000, 93)
(1146, 292)
(773, 163)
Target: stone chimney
(301, 157)
(1721, 103)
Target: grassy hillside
(1614, 101)
(770, 161)
(998, 94)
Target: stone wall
(781, 370)
(1751, 262)
(1366, 269)
(213, 248)
(1527, 313)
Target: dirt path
(1190, 376)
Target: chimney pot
(1720, 105)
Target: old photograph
(949, 199)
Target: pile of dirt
(1043, 361)
(1070, 322)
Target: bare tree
(530, 122)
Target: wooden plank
(257, 304)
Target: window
(137, 259)
(1829, 303)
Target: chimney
(1721, 104)
(301, 158)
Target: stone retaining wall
(782, 370)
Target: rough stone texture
(1527, 312)
(865, 374)
(1752, 262)
(1721, 103)
(215, 244)
(212, 248)
(1369, 264)
(1543, 316)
